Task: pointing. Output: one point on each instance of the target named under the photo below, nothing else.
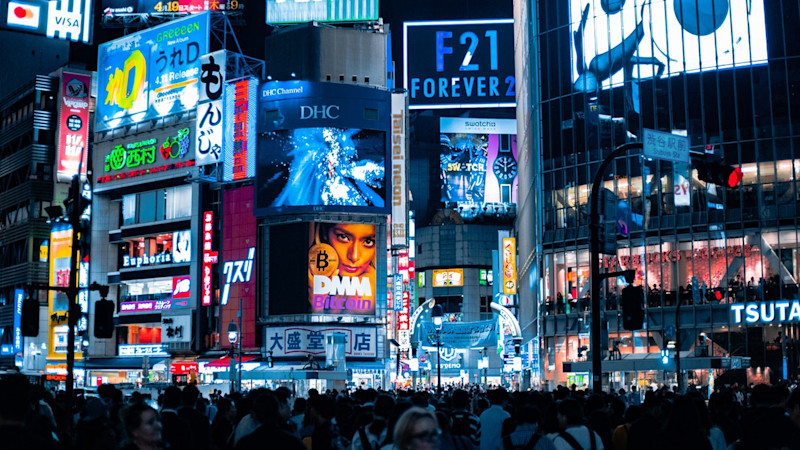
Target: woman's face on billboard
(355, 245)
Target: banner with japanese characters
(176, 328)
(301, 340)
(210, 120)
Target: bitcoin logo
(322, 260)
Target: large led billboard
(60, 19)
(152, 73)
(478, 162)
(128, 8)
(322, 147)
(459, 64)
(615, 41)
(336, 273)
(145, 155)
(239, 150)
(300, 11)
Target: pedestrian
(142, 428)
(492, 420)
(573, 434)
(269, 434)
(416, 429)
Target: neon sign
(237, 272)
(781, 311)
(209, 257)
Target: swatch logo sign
(23, 15)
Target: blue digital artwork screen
(321, 169)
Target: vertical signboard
(239, 151)
(509, 255)
(58, 305)
(152, 73)
(238, 252)
(399, 189)
(210, 116)
(209, 257)
(19, 296)
(73, 125)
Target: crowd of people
(763, 417)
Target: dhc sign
(780, 311)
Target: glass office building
(722, 75)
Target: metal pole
(239, 346)
(73, 309)
(678, 345)
(438, 364)
(594, 262)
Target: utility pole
(594, 262)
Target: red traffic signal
(713, 170)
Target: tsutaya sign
(781, 311)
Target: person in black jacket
(269, 434)
(175, 430)
(198, 422)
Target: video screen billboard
(301, 11)
(335, 276)
(67, 20)
(152, 73)
(617, 41)
(478, 163)
(322, 147)
(459, 64)
(127, 8)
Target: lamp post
(397, 367)
(437, 314)
(233, 336)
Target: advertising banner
(144, 155)
(176, 328)
(509, 254)
(461, 335)
(19, 296)
(210, 117)
(239, 149)
(301, 340)
(322, 147)
(152, 73)
(448, 277)
(60, 19)
(661, 38)
(301, 11)
(73, 125)
(239, 235)
(131, 8)
(459, 64)
(478, 163)
(58, 304)
(399, 168)
(209, 257)
(341, 268)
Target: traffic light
(270, 363)
(665, 356)
(632, 308)
(712, 169)
(103, 319)
(30, 317)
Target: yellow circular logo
(322, 260)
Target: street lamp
(437, 314)
(233, 336)
(397, 368)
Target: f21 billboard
(152, 73)
(459, 64)
(616, 41)
(322, 147)
(335, 275)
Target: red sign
(240, 100)
(402, 316)
(181, 287)
(209, 257)
(73, 130)
(183, 368)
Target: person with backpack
(573, 434)
(464, 422)
(521, 431)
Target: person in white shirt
(574, 435)
(492, 421)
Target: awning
(289, 372)
(366, 367)
(136, 362)
(225, 361)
